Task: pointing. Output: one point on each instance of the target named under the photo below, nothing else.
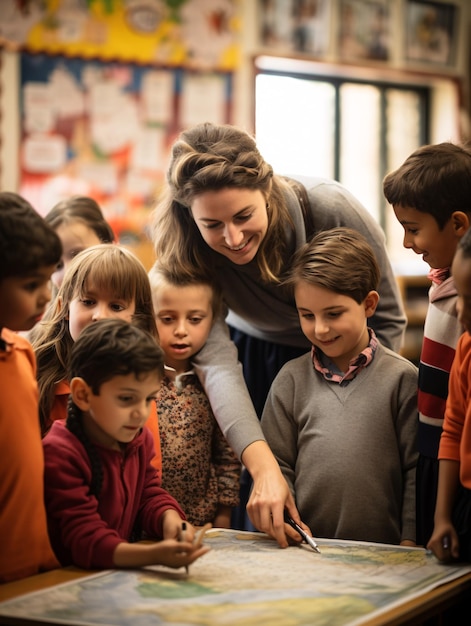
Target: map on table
(246, 579)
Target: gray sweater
(348, 452)
(268, 312)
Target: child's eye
(117, 307)
(87, 301)
(73, 253)
(125, 399)
(196, 320)
(31, 286)
(165, 319)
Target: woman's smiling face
(232, 221)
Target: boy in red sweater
(102, 492)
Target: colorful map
(246, 579)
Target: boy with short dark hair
(102, 492)
(430, 194)
(29, 253)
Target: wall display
(295, 25)
(364, 30)
(431, 32)
(105, 130)
(193, 33)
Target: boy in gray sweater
(342, 419)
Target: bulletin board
(200, 34)
(104, 129)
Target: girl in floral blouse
(198, 466)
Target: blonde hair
(110, 267)
(210, 157)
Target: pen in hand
(309, 540)
(183, 538)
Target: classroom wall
(450, 109)
(398, 67)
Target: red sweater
(59, 411)
(85, 531)
(455, 442)
(24, 544)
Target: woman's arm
(270, 494)
(220, 372)
(218, 368)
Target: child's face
(333, 322)
(422, 235)
(94, 305)
(184, 317)
(75, 236)
(120, 410)
(461, 270)
(23, 300)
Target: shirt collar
(331, 373)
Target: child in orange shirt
(451, 537)
(29, 253)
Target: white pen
(183, 538)
(307, 538)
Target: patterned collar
(439, 275)
(331, 373)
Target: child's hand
(444, 542)
(172, 527)
(170, 552)
(174, 553)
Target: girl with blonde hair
(101, 282)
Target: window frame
(315, 72)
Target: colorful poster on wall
(200, 34)
(105, 130)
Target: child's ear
(460, 222)
(80, 392)
(371, 302)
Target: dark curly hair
(27, 242)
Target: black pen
(183, 538)
(309, 540)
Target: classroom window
(352, 130)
